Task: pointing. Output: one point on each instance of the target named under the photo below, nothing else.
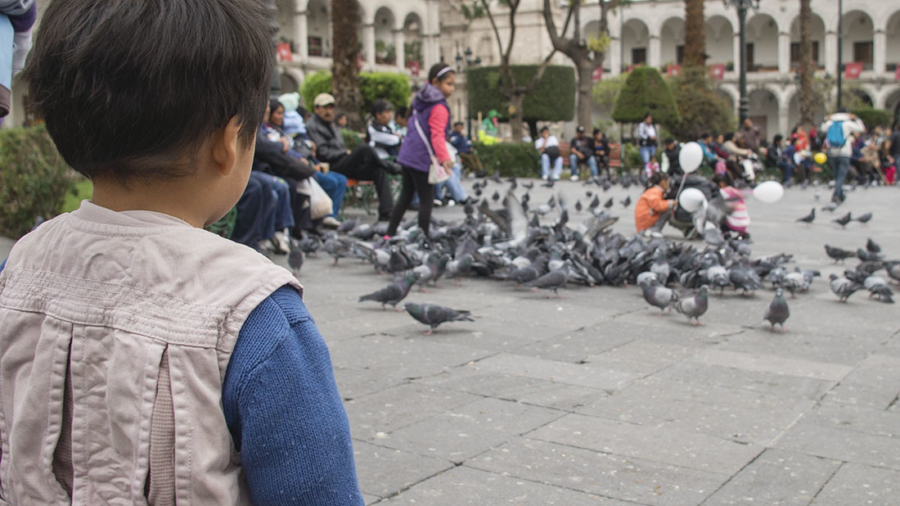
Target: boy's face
(401, 120)
(384, 117)
(458, 128)
(545, 133)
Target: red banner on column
(673, 70)
(897, 73)
(717, 71)
(597, 75)
(852, 70)
(413, 68)
(284, 52)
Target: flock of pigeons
(505, 244)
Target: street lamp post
(840, 55)
(742, 7)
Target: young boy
(142, 359)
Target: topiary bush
(393, 87)
(646, 91)
(701, 107)
(510, 158)
(873, 117)
(34, 179)
(551, 100)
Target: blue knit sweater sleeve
(284, 412)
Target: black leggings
(414, 182)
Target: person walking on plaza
(428, 129)
(646, 134)
(143, 359)
(582, 152)
(838, 129)
(548, 146)
(361, 164)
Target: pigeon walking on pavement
(553, 280)
(864, 218)
(843, 287)
(433, 315)
(808, 219)
(694, 307)
(394, 292)
(659, 296)
(777, 312)
(295, 256)
(838, 254)
(844, 220)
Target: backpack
(835, 135)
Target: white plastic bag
(320, 203)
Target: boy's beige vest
(115, 334)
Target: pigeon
(744, 277)
(776, 276)
(525, 274)
(626, 202)
(309, 245)
(295, 256)
(433, 315)
(843, 287)
(864, 218)
(549, 183)
(843, 220)
(528, 185)
(553, 280)
(694, 307)
(878, 287)
(808, 219)
(336, 247)
(660, 267)
(589, 194)
(496, 196)
(394, 292)
(794, 282)
(778, 311)
(893, 270)
(868, 256)
(830, 207)
(872, 246)
(578, 206)
(609, 203)
(595, 203)
(659, 296)
(838, 254)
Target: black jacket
(329, 143)
(270, 158)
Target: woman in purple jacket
(431, 112)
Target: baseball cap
(323, 99)
(580, 129)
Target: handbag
(320, 204)
(436, 172)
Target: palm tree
(694, 34)
(807, 95)
(345, 70)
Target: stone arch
(892, 40)
(591, 29)
(671, 35)
(719, 40)
(318, 27)
(762, 32)
(414, 36)
(859, 36)
(636, 41)
(892, 103)
(763, 109)
(817, 33)
(384, 23)
(289, 83)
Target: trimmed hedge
(393, 87)
(646, 91)
(34, 179)
(510, 158)
(873, 117)
(551, 100)
(701, 107)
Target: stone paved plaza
(595, 400)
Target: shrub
(393, 87)
(646, 91)
(873, 117)
(702, 109)
(632, 157)
(34, 179)
(606, 92)
(351, 139)
(510, 158)
(551, 100)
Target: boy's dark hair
(302, 112)
(729, 136)
(544, 128)
(595, 132)
(777, 138)
(339, 116)
(381, 105)
(439, 69)
(669, 140)
(401, 111)
(658, 177)
(458, 123)
(130, 89)
(705, 135)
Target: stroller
(712, 214)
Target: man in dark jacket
(361, 164)
(272, 157)
(672, 153)
(582, 152)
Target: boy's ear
(224, 145)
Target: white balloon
(768, 192)
(690, 157)
(691, 199)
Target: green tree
(694, 34)
(646, 91)
(606, 92)
(390, 86)
(807, 96)
(701, 108)
(345, 76)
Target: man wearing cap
(582, 151)
(361, 164)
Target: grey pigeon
(660, 267)
(744, 277)
(843, 287)
(872, 246)
(659, 296)
(553, 280)
(295, 256)
(433, 315)
(609, 203)
(578, 206)
(777, 312)
(809, 218)
(830, 207)
(626, 202)
(776, 276)
(879, 288)
(694, 307)
(843, 220)
(864, 218)
(893, 270)
(838, 254)
(794, 282)
(394, 292)
(525, 274)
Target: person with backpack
(838, 129)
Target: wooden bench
(359, 193)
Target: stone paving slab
(842, 444)
(780, 384)
(776, 477)
(874, 383)
(728, 413)
(773, 365)
(858, 484)
(391, 471)
(586, 375)
(464, 432)
(608, 475)
(851, 417)
(657, 443)
(462, 486)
